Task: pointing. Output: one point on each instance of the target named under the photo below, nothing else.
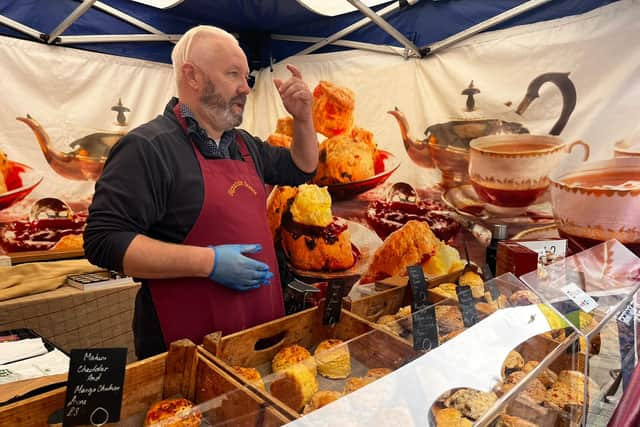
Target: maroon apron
(233, 211)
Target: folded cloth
(22, 349)
(35, 277)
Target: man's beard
(218, 110)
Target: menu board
(423, 315)
(94, 388)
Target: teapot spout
(64, 164)
(43, 140)
(569, 96)
(417, 150)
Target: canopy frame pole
(69, 20)
(347, 30)
(508, 14)
(386, 27)
(116, 38)
(126, 17)
(24, 29)
(346, 43)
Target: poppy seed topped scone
(376, 373)
(354, 383)
(173, 413)
(292, 355)
(251, 375)
(333, 359)
(320, 399)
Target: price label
(423, 317)
(548, 250)
(94, 387)
(467, 307)
(579, 297)
(333, 302)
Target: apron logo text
(237, 184)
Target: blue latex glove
(236, 271)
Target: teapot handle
(569, 96)
(585, 146)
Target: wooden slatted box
(183, 371)
(368, 347)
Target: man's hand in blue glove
(236, 271)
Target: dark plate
(364, 242)
(384, 165)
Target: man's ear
(190, 75)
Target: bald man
(181, 203)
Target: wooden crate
(182, 371)
(537, 348)
(395, 294)
(369, 348)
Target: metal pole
(346, 43)
(114, 38)
(348, 30)
(385, 26)
(127, 18)
(524, 7)
(20, 27)
(69, 20)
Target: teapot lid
(121, 118)
(475, 109)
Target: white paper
(11, 351)
(472, 359)
(52, 363)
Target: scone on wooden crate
(333, 359)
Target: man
(181, 202)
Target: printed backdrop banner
(598, 49)
(71, 93)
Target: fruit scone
(312, 238)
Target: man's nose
(244, 88)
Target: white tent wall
(599, 49)
(70, 92)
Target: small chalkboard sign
(418, 287)
(467, 307)
(333, 302)
(94, 387)
(423, 316)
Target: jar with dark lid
(498, 233)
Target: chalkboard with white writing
(94, 388)
(467, 307)
(423, 316)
